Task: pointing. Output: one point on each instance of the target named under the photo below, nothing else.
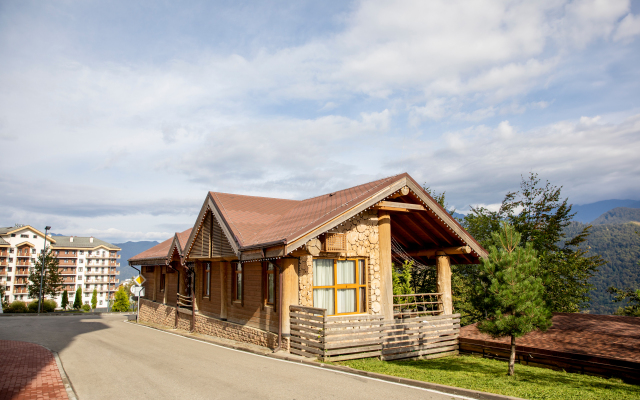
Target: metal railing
(417, 305)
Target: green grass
(491, 376)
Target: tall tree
(94, 298)
(121, 300)
(631, 296)
(53, 280)
(513, 290)
(539, 214)
(65, 300)
(77, 301)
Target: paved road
(107, 358)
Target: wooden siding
(210, 305)
(211, 241)
(251, 311)
(149, 284)
(172, 287)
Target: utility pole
(44, 256)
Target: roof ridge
(256, 197)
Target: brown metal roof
(608, 336)
(161, 250)
(258, 220)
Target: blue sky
(117, 117)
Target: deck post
(224, 301)
(386, 280)
(443, 265)
(289, 291)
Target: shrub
(86, 307)
(49, 305)
(33, 306)
(18, 307)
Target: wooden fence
(336, 338)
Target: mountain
(619, 245)
(588, 212)
(130, 249)
(619, 215)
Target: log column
(386, 279)
(443, 265)
(289, 291)
(224, 301)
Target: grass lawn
(491, 376)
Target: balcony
(20, 291)
(22, 272)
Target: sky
(117, 117)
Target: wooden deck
(336, 338)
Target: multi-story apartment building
(85, 262)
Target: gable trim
(210, 205)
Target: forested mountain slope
(620, 246)
(619, 215)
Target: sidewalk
(29, 371)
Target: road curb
(54, 314)
(65, 380)
(388, 378)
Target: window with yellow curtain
(340, 285)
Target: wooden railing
(417, 305)
(184, 301)
(336, 338)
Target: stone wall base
(164, 315)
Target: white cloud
(629, 27)
(587, 157)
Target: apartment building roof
(64, 242)
(3, 242)
(17, 228)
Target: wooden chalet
(312, 276)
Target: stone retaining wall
(157, 313)
(161, 314)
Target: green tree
(513, 291)
(3, 290)
(77, 301)
(65, 300)
(53, 280)
(631, 296)
(121, 300)
(94, 298)
(539, 214)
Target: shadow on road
(53, 332)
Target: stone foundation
(164, 315)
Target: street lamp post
(44, 255)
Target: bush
(18, 307)
(47, 306)
(86, 307)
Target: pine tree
(94, 298)
(121, 300)
(53, 280)
(538, 212)
(77, 302)
(513, 292)
(65, 300)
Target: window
(33, 251)
(11, 250)
(237, 279)
(271, 284)
(81, 252)
(35, 236)
(340, 286)
(81, 261)
(206, 283)
(79, 277)
(162, 281)
(66, 252)
(13, 235)
(79, 269)
(24, 236)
